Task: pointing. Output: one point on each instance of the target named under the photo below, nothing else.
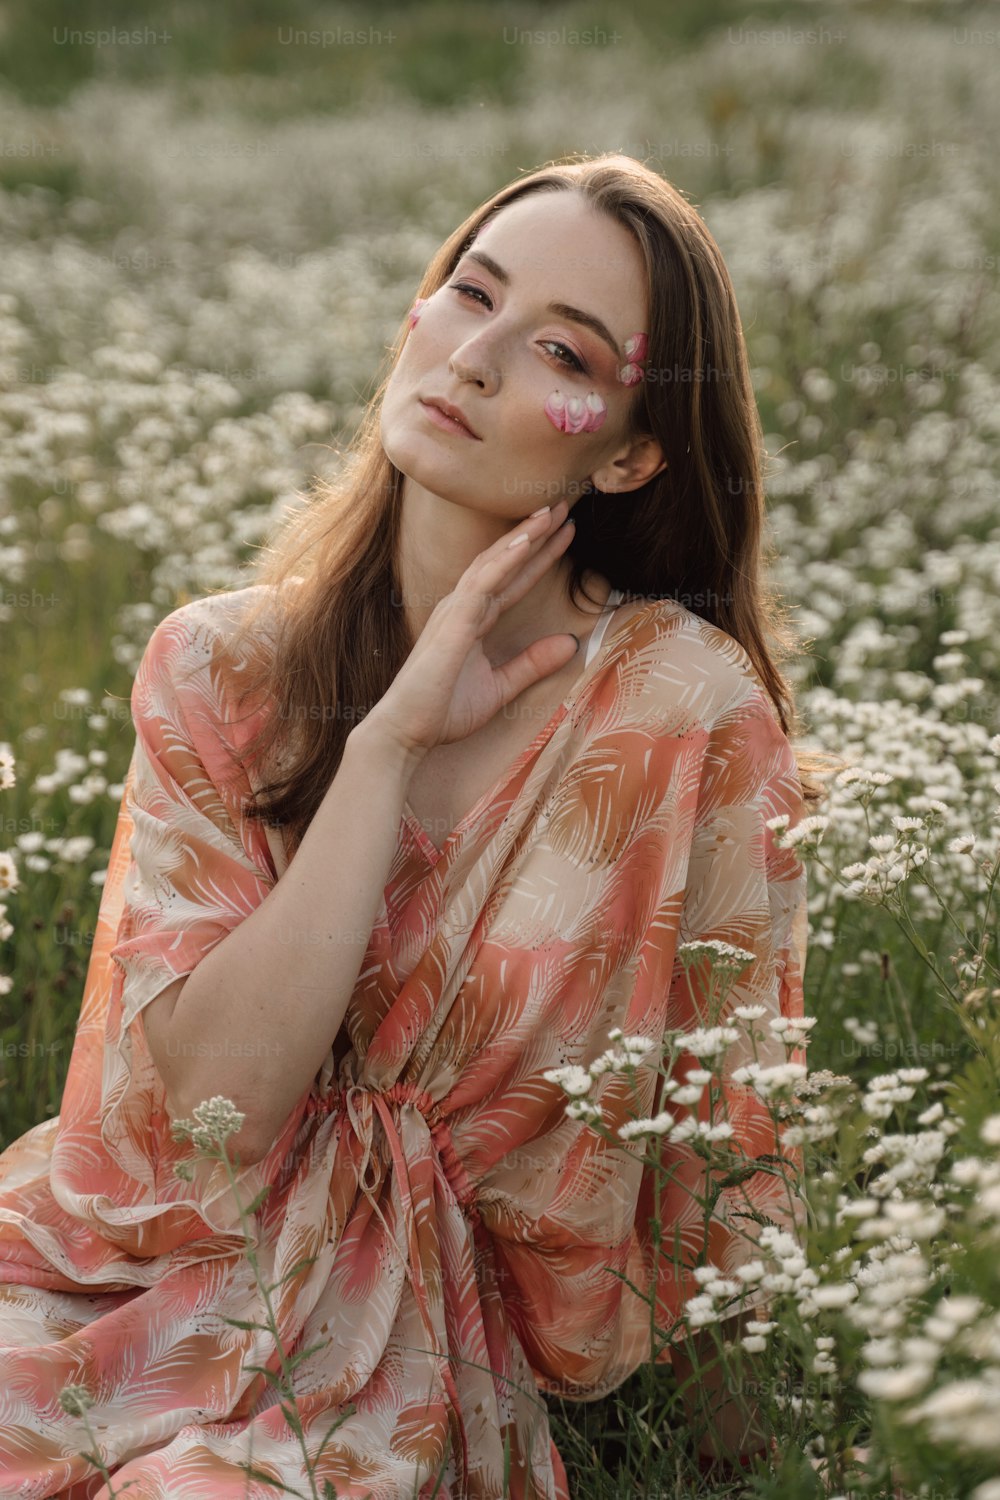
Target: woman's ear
(637, 466)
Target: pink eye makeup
(568, 359)
(575, 413)
(635, 355)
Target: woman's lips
(447, 424)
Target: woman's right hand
(447, 688)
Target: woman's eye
(567, 358)
(572, 362)
(470, 291)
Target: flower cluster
(214, 1121)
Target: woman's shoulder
(677, 668)
(224, 611)
(199, 652)
(196, 627)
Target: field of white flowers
(198, 283)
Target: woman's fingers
(506, 571)
(509, 569)
(544, 555)
(538, 660)
(446, 688)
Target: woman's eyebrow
(564, 310)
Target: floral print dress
(442, 1235)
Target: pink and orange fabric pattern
(458, 1224)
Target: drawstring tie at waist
(356, 1102)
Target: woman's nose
(473, 361)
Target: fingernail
(539, 512)
(575, 637)
(522, 536)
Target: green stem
(284, 1384)
(990, 889)
(95, 1457)
(919, 996)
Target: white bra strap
(597, 634)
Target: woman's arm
(259, 1011)
(256, 1018)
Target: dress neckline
(428, 847)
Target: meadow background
(210, 231)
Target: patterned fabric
(460, 1224)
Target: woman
(408, 826)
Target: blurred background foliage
(442, 52)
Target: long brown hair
(692, 533)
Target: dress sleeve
(185, 869)
(718, 875)
(744, 890)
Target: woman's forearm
(256, 1018)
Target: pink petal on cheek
(576, 414)
(555, 410)
(572, 414)
(635, 353)
(597, 411)
(635, 347)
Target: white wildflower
(584, 1109)
(658, 1125)
(700, 1311)
(75, 850)
(751, 1271)
(689, 1095)
(213, 1121)
(808, 832)
(768, 1081)
(725, 959)
(895, 1384)
(883, 1352)
(837, 1294)
(573, 1079)
(708, 1041)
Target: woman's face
(491, 342)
